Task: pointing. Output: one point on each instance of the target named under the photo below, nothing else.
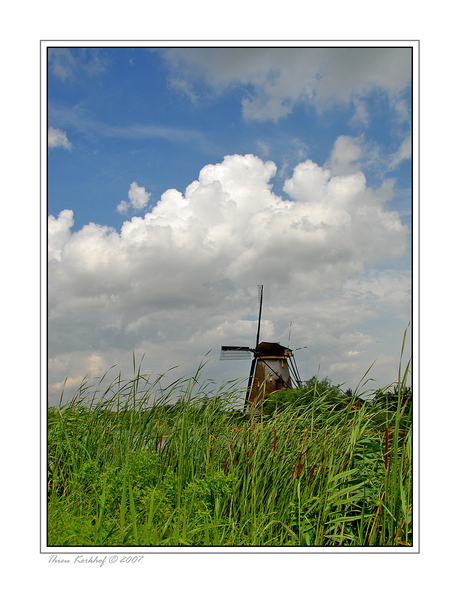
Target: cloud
(361, 116)
(81, 121)
(59, 233)
(345, 155)
(352, 154)
(181, 279)
(61, 62)
(138, 198)
(65, 63)
(263, 148)
(389, 288)
(278, 79)
(58, 138)
(402, 154)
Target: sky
(180, 178)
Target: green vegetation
(319, 467)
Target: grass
(127, 469)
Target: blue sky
(181, 178)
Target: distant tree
(389, 398)
(312, 390)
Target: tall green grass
(125, 468)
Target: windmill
(273, 366)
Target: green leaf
(347, 490)
(333, 479)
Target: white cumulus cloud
(58, 138)
(138, 198)
(58, 233)
(180, 280)
(345, 155)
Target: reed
(127, 468)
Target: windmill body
(272, 367)
(271, 373)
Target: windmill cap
(272, 349)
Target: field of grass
(319, 467)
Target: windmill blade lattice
(235, 353)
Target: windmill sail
(235, 353)
(261, 295)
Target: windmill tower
(273, 366)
